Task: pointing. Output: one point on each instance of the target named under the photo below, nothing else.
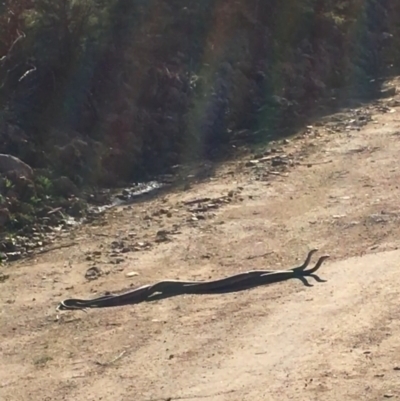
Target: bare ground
(336, 340)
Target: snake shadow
(239, 287)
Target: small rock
(266, 158)
(162, 236)
(132, 274)
(12, 256)
(117, 244)
(252, 163)
(93, 273)
(279, 161)
(388, 92)
(394, 103)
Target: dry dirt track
(338, 340)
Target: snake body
(169, 288)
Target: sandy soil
(337, 340)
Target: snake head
(63, 306)
(307, 261)
(317, 265)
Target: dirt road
(337, 340)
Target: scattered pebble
(93, 273)
(132, 274)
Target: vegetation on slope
(99, 92)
